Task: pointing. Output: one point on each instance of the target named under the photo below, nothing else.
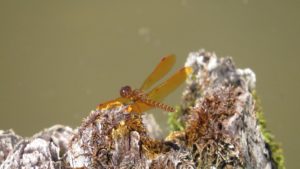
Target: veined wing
(159, 72)
(165, 88)
(108, 103)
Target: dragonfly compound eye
(125, 91)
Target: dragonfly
(139, 100)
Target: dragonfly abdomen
(156, 104)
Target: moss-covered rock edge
(275, 147)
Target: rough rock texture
(43, 150)
(222, 99)
(220, 130)
(8, 141)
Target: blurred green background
(59, 59)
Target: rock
(220, 129)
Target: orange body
(138, 95)
(140, 101)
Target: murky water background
(59, 59)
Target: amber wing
(159, 72)
(111, 102)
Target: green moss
(174, 122)
(277, 153)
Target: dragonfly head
(126, 91)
